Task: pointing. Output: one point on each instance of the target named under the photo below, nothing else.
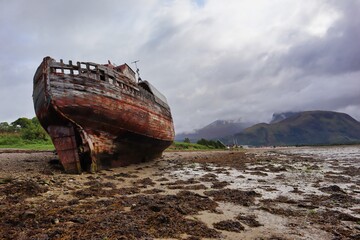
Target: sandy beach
(252, 194)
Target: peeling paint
(99, 116)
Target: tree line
(28, 129)
(209, 143)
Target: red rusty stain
(99, 116)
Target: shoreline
(256, 193)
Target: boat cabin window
(102, 75)
(146, 87)
(159, 97)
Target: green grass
(312, 212)
(10, 139)
(188, 147)
(14, 141)
(30, 146)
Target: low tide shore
(252, 194)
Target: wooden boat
(100, 116)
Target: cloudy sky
(213, 59)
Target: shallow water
(289, 184)
(308, 170)
(328, 153)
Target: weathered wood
(115, 122)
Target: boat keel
(66, 147)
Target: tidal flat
(281, 193)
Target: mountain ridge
(277, 117)
(302, 128)
(215, 130)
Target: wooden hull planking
(98, 117)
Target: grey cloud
(336, 52)
(202, 81)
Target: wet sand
(257, 194)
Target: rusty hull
(98, 116)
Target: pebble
(55, 221)
(28, 214)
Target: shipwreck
(99, 115)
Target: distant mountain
(215, 130)
(277, 117)
(303, 128)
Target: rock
(55, 221)
(41, 236)
(28, 214)
(332, 189)
(78, 220)
(5, 180)
(155, 208)
(229, 225)
(307, 206)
